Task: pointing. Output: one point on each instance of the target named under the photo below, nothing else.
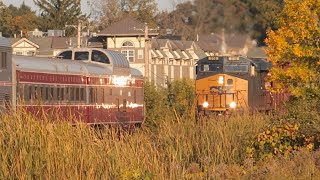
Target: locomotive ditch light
(221, 80)
(233, 105)
(205, 104)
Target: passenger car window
(99, 56)
(65, 55)
(81, 55)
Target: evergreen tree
(58, 13)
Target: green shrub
(176, 100)
(182, 97)
(156, 104)
(306, 112)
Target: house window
(140, 54)
(3, 60)
(129, 54)
(19, 53)
(127, 44)
(30, 53)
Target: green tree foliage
(182, 96)
(161, 103)
(263, 16)
(5, 18)
(58, 13)
(144, 9)
(114, 10)
(294, 49)
(108, 12)
(155, 103)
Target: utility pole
(146, 49)
(79, 34)
(79, 28)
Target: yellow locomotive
(229, 83)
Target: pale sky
(163, 4)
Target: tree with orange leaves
(294, 49)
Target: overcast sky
(163, 4)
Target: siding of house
(186, 72)
(160, 75)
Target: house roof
(208, 46)
(126, 27)
(5, 42)
(178, 44)
(67, 42)
(16, 41)
(159, 43)
(44, 43)
(63, 42)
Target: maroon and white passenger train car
(96, 86)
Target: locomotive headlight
(221, 80)
(205, 104)
(233, 105)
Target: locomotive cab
(229, 83)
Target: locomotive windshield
(211, 67)
(236, 68)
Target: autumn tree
(294, 49)
(23, 19)
(58, 13)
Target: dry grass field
(31, 148)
